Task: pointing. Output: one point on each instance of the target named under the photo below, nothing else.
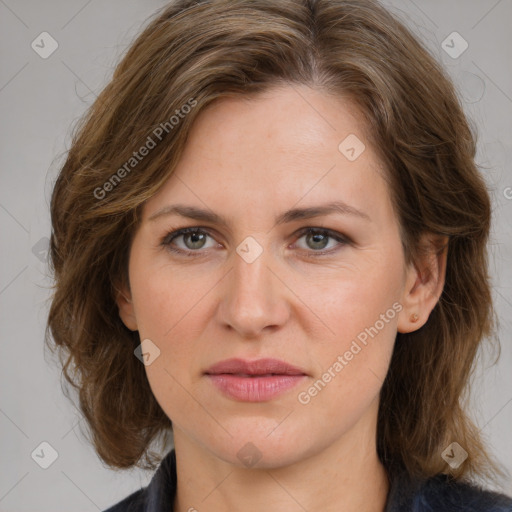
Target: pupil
(320, 238)
(196, 237)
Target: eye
(318, 239)
(192, 240)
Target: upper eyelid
(183, 231)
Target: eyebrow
(199, 214)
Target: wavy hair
(196, 51)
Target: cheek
(361, 311)
(169, 309)
(357, 299)
(350, 377)
(164, 297)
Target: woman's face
(252, 284)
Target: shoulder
(158, 496)
(135, 502)
(443, 493)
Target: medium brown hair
(195, 52)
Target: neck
(347, 475)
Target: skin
(249, 160)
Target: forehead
(284, 123)
(286, 145)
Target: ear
(125, 306)
(424, 283)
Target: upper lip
(257, 367)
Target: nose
(254, 297)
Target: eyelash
(166, 241)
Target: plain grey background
(41, 99)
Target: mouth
(254, 381)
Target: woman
(270, 236)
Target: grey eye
(317, 240)
(196, 240)
(191, 240)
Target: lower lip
(254, 389)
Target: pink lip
(254, 381)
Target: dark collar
(440, 493)
(162, 488)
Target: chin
(259, 456)
(259, 444)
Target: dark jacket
(438, 494)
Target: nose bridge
(251, 278)
(254, 299)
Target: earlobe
(126, 308)
(424, 284)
